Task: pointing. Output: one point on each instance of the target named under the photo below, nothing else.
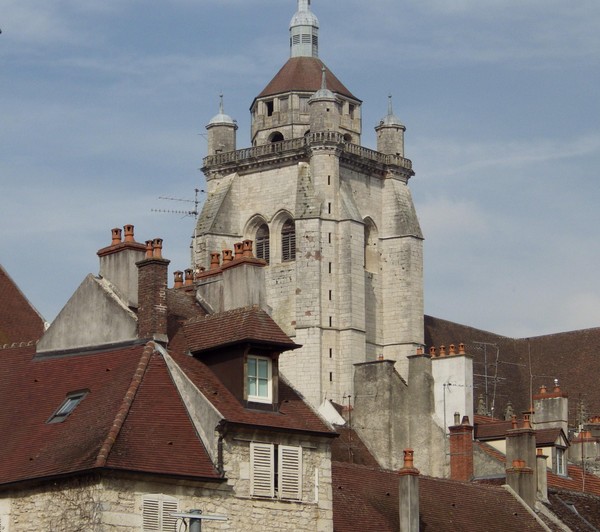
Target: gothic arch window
(347, 137)
(371, 253)
(276, 137)
(288, 241)
(262, 243)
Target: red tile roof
(576, 510)
(350, 448)
(243, 325)
(19, 321)
(304, 74)
(366, 499)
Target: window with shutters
(262, 243)
(275, 471)
(156, 513)
(288, 241)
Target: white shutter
(290, 472)
(261, 469)
(156, 513)
(151, 514)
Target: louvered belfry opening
(288, 241)
(262, 243)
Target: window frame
(288, 241)
(262, 243)
(156, 510)
(560, 461)
(66, 408)
(254, 398)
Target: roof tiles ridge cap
(123, 411)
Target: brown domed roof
(304, 74)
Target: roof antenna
(195, 212)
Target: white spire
(304, 32)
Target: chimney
(551, 409)
(178, 282)
(542, 476)
(189, 277)
(408, 494)
(521, 453)
(461, 450)
(117, 264)
(152, 293)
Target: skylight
(67, 406)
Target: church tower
(334, 220)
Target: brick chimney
(461, 451)
(152, 293)
(118, 263)
(408, 494)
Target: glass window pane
(263, 369)
(252, 386)
(252, 366)
(263, 388)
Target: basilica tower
(334, 220)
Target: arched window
(288, 241)
(262, 242)
(277, 136)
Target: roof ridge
(128, 399)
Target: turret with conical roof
(221, 132)
(390, 133)
(324, 108)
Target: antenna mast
(195, 212)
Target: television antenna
(195, 212)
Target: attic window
(67, 406)
(259, 384)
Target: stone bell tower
(334, 220)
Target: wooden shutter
(290, 472)
(262, 475)
(156, 513)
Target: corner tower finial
(304, 32)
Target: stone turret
(324, 109)
(304, 32)
(221, 132)
(390, 133)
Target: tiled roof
(579, 511)
(19, 321)
(118, 404)
(366, 499)
(248, 324)
(304, 74)
(350, 448)
(497, 430)
(572, 357)
(294, 413)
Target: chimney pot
(239, 250)
(513, 420)
(419, 350)
(452, 349)
(409, 459)
(215, 260)
(116, 236)
(227, 255)
(465, 421)
(456, 418)
(442, 350)
(432, 351)
(247, 248)
(178, 279)
(157, 248)
(189, 277)
(543, 389)
(461, 349)
(526, 421)
(129, 233)
(148, 249)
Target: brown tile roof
(578, 511)
(304, 74)
(350, 448)
(19, 321)
(243, 325)
(120, 383)
(572, 357)
(366, 499)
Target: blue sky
(103, 105)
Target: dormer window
(259, 379)
(67, 406)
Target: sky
(103, 105)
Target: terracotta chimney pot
(513, 420)
(215, 260)
(461, 349)
(148, 249)
(129, 233)
(442, 350)
(178, 279)
(540, 452)
(419, 350)
(116, 236)
(432, 351)
(239, 250)
(543, 389)
(189, 277)
(247, 249)
(409, 459)
(526, 421)
(227, 255)
(157, 248)
(452, 349)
